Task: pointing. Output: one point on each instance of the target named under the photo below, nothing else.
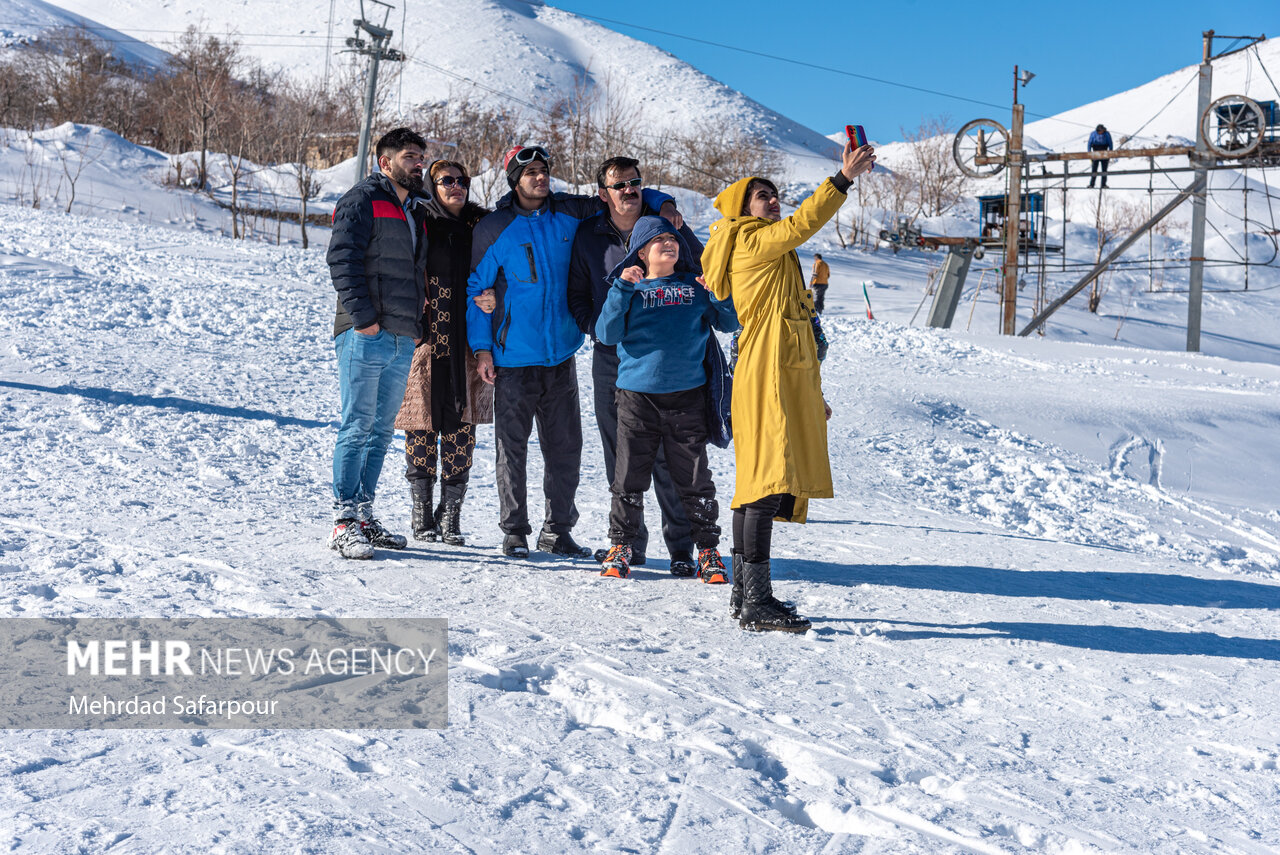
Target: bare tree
(1111, 220)
(202, 71)
(21, 98)
(35, 174)
(246, 135)
(74, 159)
(893, 192)
(939, 182)
(566, 127)
(305, 115)
(474, 134)
(83, 81)
(705, 160)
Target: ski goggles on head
(530, 153)
(622, 185)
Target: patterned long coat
(448, 265)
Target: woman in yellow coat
(779, 415)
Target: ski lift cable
(1170, 260)
(328, 45)
(1248, 71)
(1216, 231)
(538, 109)
(544, 111)
(1270, 207)
(1263, 66)
(517, 99)
(103, 30)
(805, 64)
(1135, 134)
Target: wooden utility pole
(1012, 220)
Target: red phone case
(857, 135)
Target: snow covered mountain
(23, 21)
(509, 52)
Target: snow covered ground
(1044, 599)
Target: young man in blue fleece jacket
(525, 345)
(660, 319)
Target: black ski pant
(675, 525)
(753, 527)
(677, 423)
(819, 296)
(547, 395)
(1093, 172)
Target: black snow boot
(515, 546)
(759, 614)
(735, 594)
(423, 517)
(562, 544)
(448, 516)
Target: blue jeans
(372, 372)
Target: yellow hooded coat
(779, 417)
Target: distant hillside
(506, 52)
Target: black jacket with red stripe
(377, 270)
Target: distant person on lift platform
(1099, 140)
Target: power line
(85, 24)
(786, 59)
(544, 111)
(518, 100)
(803, 63)
(1165, 107)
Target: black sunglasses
(618, 185)
(449, 181)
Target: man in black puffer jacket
(377, 258)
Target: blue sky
(1079, 52)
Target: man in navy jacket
(1099, 140)
(377, 258)
(525, 347)
(601, 242)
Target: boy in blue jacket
(660, 319)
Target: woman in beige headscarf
(779, 415)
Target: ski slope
(1044, 599)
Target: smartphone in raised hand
(857, 135)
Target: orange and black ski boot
(711, 568)
(617, 563)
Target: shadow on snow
(1162, 589)
(183, 405)
(1115, 639)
